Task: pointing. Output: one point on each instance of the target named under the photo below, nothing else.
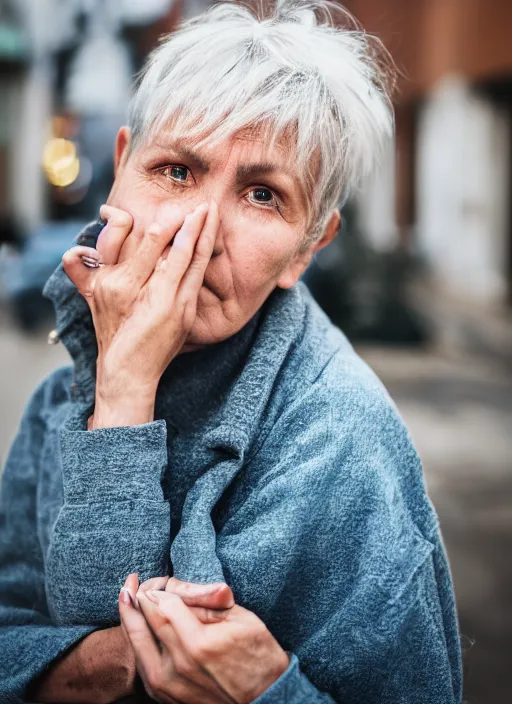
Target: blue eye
(176, 173)
(262, 195)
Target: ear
(301, 261)
(122, 148)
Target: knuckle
(173, 584)
(198, 650)
(154, 233)
(184, 668)
(153, 682)
(68, 257)
(115, 285)
(120, 218)
(258, 628)
(197, 264)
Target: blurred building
(66, 71)
(14, 58)
(445, 191)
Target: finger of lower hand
(154, 583)
(140, 636)
(206, 615)
(112, 237)
(211, 596)
(171, 607)
(191, 676)
(191, 682)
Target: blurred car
(23, 273)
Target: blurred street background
(420, 277)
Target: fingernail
(151, 595)
(104, 211)
(125, 596)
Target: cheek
(135, 196)
(260, 250)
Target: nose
(220, 198)
(171, 211)
(218, 247)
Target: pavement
(459, 410)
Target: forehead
(250, 145)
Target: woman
(217, 440)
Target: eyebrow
(246, 172)
(182, 152)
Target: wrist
(108, 660)
(119, 411)
(101, 668)
(122, 399)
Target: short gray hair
(300, 66)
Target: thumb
(208, 596)
(81, 265)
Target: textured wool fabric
(276, 462)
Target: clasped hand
(219, 653)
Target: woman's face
(263, 219)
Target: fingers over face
(183, 234)
(183, 247)
(194, 276)
(112, 237)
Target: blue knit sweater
(278, 463)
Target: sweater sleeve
(293, 687)
(29, 640)
(114, 520)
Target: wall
(462, 190)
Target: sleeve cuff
(29, 651)
(292, 688)
(113, 463)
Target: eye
(263, 196)
(176, 173)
